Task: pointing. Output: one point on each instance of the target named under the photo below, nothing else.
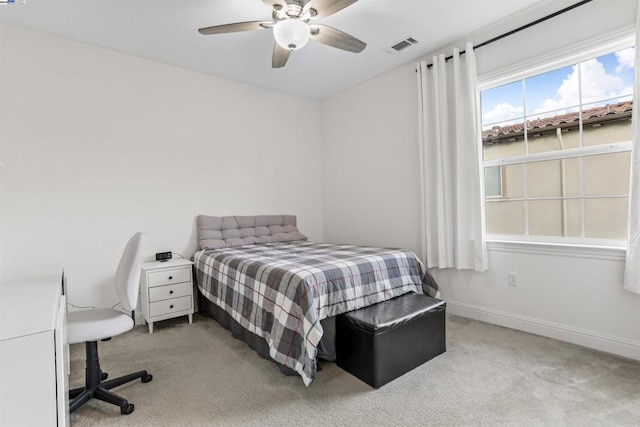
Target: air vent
(403, 44)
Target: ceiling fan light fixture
(291, 34)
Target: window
(556, 152)
(493, 181)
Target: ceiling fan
(293, 25)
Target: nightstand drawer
(159, 293)
(161, 308)
(169, 276)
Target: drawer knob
(170, 277)
(170, 292)
(171, 306)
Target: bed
(262, 279)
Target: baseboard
(609, 344)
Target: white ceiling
(166, 31)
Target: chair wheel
(147, 378)
(104, 376)
(126, 409)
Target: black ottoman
(381, 342)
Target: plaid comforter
(281, 291)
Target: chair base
(96, 388)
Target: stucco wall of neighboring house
(567, 179)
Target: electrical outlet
(513, 279)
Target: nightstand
(166, 290)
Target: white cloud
(567, 94)
(626, 59)
(597, 84)
(502, 112)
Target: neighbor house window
(493, 181)
(557, 151)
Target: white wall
(86, 134)
(370, 163)
(97, 145)
(371, 193)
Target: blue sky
(558, 91)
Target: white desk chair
(89, 326)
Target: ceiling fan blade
(325, 7)
(236, 27)
(336, 38)
(280, 56)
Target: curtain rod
(524, 27)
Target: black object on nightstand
(163, 256)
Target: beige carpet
(488, 376)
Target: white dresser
(34, 362)
(166, 290)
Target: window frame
(531, 68)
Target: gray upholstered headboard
(223, 231)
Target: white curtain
(632, 265)
(452, 216)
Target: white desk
(33, 353)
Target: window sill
(602, 252)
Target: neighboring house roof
(540, 126)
